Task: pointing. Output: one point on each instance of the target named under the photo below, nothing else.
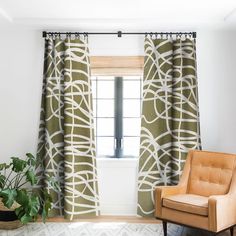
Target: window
(117, 113)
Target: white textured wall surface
(21, 66)
(217, 89)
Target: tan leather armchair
(205, 197)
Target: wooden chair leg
(232, 231)
(164, 224)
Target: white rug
(89, 229)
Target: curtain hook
(68, 35)
(85, 35)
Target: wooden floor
(173, 230)
(127, 219)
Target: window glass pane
(131, 126)
(105, 88)
(105, 126)
(94, 89)
(131, 89)
(105, 108)
(95, 125)
(105, 146)
(131, 108)
(94, 108)
(131, 146)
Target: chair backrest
(210, 173)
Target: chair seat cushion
(190, 203)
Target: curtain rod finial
(119, 34)
(44, 33)
(194, 35)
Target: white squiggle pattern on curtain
(170, 117)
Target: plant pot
(8, 218)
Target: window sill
(106, 162)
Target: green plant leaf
(44, 215)
(29, 208)
(18, 165)
(31, 159)
(22, 197)
(53, 183)
(33, 205)
(8, 197)
(46, 207)
(19, 211)
(47, 195)
(25, 219)
(4, 166)
(2, 181)
(31, 177)
(47, 204)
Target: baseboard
(107, 218)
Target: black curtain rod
(119, 33)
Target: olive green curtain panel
(66, 133)
(170, 115)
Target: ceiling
(118, 14)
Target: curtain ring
(85, 36)
(68, 35)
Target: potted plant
(19, 202)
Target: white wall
(217, 89)
(21, 61)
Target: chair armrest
(221, 211)
(163, 191)
(181, 188)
